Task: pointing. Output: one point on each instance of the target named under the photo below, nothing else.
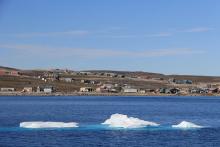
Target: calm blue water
(91, 111)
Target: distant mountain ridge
(8, 68)
(136, 74)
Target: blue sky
(171, 37)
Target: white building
(130, 90)
(68, 80)
(142, 91)
(48, 89)
(107, 86)
(86, 89)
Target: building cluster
(39, 89)
(112, 88)
(5, 72)
(59, 75)
(175, 81)
(89, 85)
(115, 88)
(103, 74)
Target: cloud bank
(198, 30)
(94, 53)
(75, 33)
(112, 33)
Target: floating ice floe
(186, 125)
(123, 121)
(41, 124)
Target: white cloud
(125, 36)
(163, 34)
(198, 30)
(77, 33)
(120, 36)
(54, 52)
(108, 33)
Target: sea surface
(91, 111)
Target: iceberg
(186, 125)
(123, 121)
(41, 124)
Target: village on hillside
(68, 82)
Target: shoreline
(100, 94)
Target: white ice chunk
(123, 121)
(186, 125)
(41, 124)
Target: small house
(27, 89)
(86, 81)
(199, 90)
(183, 82)
(68, 80)
(86, 89)
(48, 89)
(142, 91)
(213, 90)
(174, 90)
(7, 89)
(108, 86)
(101, 90)
(150, 91)
(162, 90)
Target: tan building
(28, 89)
